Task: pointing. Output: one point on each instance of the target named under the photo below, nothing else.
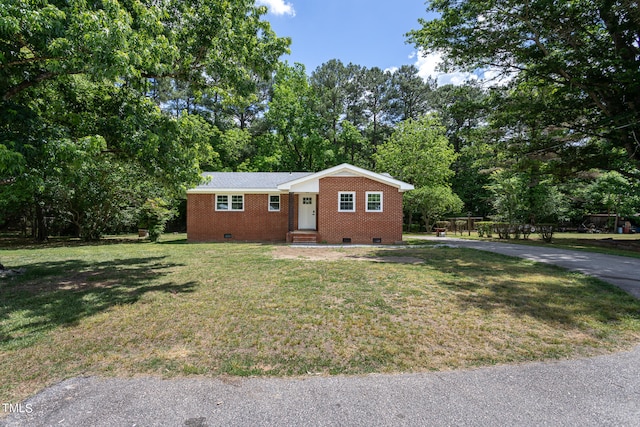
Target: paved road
(600, 391)
(623, 272)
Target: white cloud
(495, 77)
(278, 7)
(391, 70)
(428, 67)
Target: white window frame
(371, 193)
(340, 194)
(229, 202)
(226, 202)
(241, 201)
(279, 201)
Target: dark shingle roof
(248, 180)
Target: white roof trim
(235, 191)
(336, 170)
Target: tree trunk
(40, 232)
(426, 223)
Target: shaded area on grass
(8, 241)
(509, 285)
(60, 293)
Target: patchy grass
(172, 309)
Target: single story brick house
(342, 204)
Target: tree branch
(569, 79)
(10, 93)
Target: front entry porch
(303, 224)
(303, 236)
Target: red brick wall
(255, 223)
(360, 226)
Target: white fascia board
(401, 185)
(406, 187)
(234, 191)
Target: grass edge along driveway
(173, 309)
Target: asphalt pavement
(621, 271)
(598, 391)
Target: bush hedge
(506, 230)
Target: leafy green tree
(419, 152)
(354, 88)
(176, 96)
(523, 198)
(359, 96)
(154, 215)
(247, 109)
(234, 147)
(463, 110)
(329, 82)
(409, 95)
(465, 115)
(295, 124)
(78, 87)
(41, 41)
(93, 192)
(96, 147)
(582, 55)
(376, 93)
(472, 175)
(509, 201)
(547, 203)
(432, 202)
(352, 143)
(613, 193)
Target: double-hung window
(230, 202)
(237, 203)
(274, 203)
(346, 201)
(374, 201)
(222, 203)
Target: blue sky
(365, 32)
(370, 33)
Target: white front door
(306, 211)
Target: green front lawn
(171, 309)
